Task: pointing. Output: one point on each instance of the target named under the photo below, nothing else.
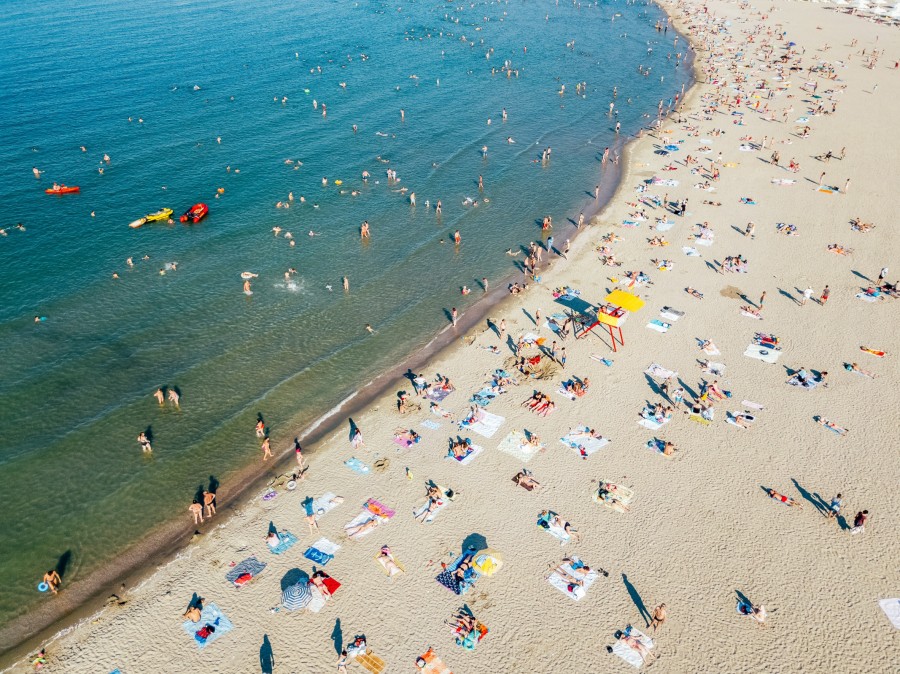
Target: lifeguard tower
(612, 314)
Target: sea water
(154, 86)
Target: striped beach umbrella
(296, 597)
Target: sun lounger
(432, 664)
(474, 451)
(891, 608)
(245, 571)
(765, 354)
(487, 426)
(210, 615)
(286, 542)
(583, 444)
(659, 325)
(322, 551)
(578, 591)
(627, 653)
(515, 444)
(357, 466)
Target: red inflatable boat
(63, 189)
(195, 213)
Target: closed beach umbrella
(296, 597)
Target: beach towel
(286, 542)
(658, 445)
(378, 508)
(765, 354)
(566, 394)
(627, 653)
(322, 551)
(432, 663)
(243, 572)
(370, 662)
(891, 608)
(668, 182)
(418, 512)
(487, 426)
(867, 298)
(437, 394)
(647, 420)
(751, 404)
(454, 584)
(658, 371)
(748, 314)
(515, 444)
(665, 226)
(405, 443)
(703, 242)
(584, 445)
(325, 503)
(783, 181)
(471, 454)
(808, 385)
(616, 496)
(359, 520)
(730, 418)
(383, 562)
(433, 425)
(210, 615)
(699, 419)
(712, 350)
(578, 591)
(658, 325)
(318, 598)
(670, 314)
(690, 252)
(555, 531)
(357, 466)
(601, 359)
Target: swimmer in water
(509, 140)
(312, 233)
(510, 252)
(370, 329)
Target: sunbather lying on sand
(853, 367)
(784, 499)
(526, 481)
(830, 425)
(362, 528)
(386, 557)
(695, 293)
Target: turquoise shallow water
(76, 389)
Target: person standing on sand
(834, 508)
(659, 617)
(298, 455)
(762, 301)
(825, 295)
(859, 522)
(807, 294)
(209, 503)
(197, 511)
(502, 329)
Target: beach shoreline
(141, 560)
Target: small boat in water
(161, 214)
(62, 189)
(195, 213)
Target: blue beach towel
(357, 466)
(211, 615)
(287, 542)
(433, 425)
(317, 556)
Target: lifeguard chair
(612, 314)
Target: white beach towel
(318, 599)
(703, 242)
(515, 445)
(589, 444)
(659, 326)
(658, 371)
(690, 252)
(559, 533)
(751, 404)
(627, 653)
(434, 513)
(652, 424)
(487, 426)
(562, 585)
(712, 350)
(867, 298)
(325, 503)
(566, 394)
(670, 314)
(326, 546)
(765, 354)
(891, 608)
(749, 315)
(665, 226)
(362, 518)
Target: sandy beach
(700, 533)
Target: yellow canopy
(627, 301)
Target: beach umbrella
(296, 597)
